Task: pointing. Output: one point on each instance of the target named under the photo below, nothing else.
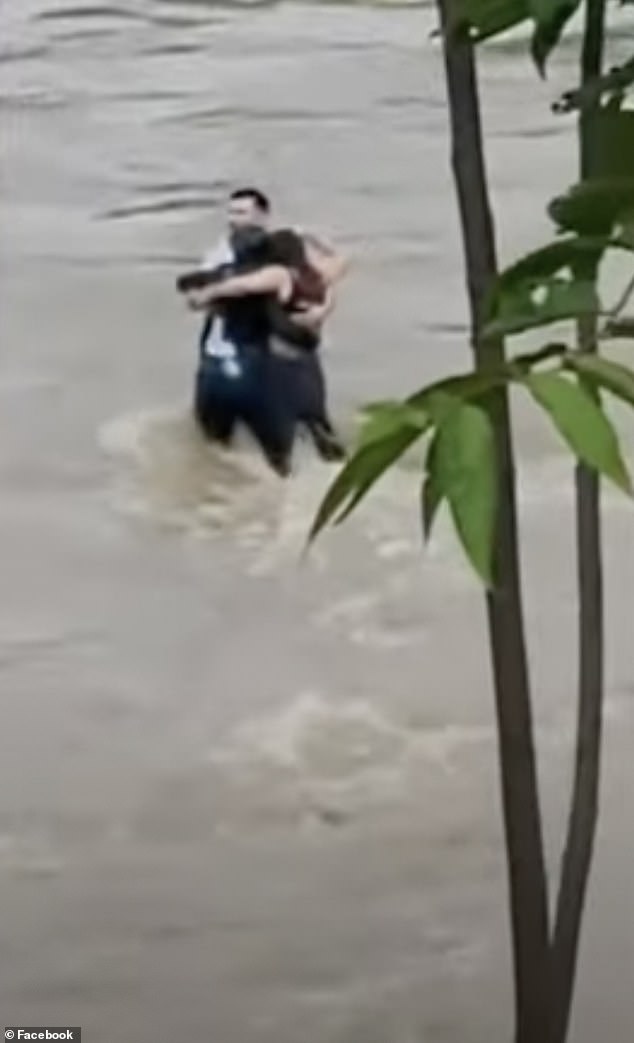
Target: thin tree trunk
(585, 797)
(519, 783)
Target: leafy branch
(460, 464)
(554, 283)
(617, 325)
(611, 84)
(481, 20)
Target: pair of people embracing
(266, 296)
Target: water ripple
(162, 206)
(68, 14)
(22, 54)
(166, 49)
(228, 115)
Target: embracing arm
(201, 277)
(272, 279)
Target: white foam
(165, 471)
(331, 760)
(304, 734)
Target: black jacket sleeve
(200, 277)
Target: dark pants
(251, 389)
(310, 389)
(312, 407)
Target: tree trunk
(585, 797)
(528, 891)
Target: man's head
(248, 206)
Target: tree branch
(583, 814)
(518, 768)
(593, 89)
(622, 301)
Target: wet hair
(287, 248)
(257, 197)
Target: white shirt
(221, 253)
(216, 343)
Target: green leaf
(582, 424)
(431, 492)
(386, 418)
(359, 474)
(464, 472)
(370, 408)
(611, 83)
(436, 398)
(603, 374)
(596, 207)
(551, 284)
(540, 303)
(579, 254)
(389, 430)
(550, 18)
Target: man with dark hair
(245, 207)
(255, 196)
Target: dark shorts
(304, 384)
(311, 389)
(254, 392)
(306, 388)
